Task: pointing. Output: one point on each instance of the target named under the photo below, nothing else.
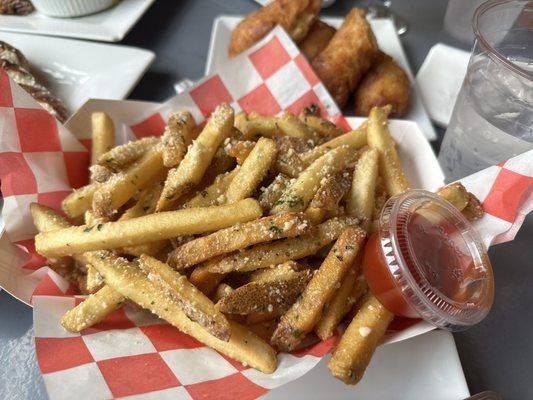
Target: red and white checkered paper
(132, 353)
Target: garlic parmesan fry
(145, 203)
(456, 194)
(289, 125)
(359, 341)
(80, 200)
(197, 159)
(93, 310)
(127, 279)
(240, 150)
(269, 254)
(222, 291)
(299, 194)
(238, 237)
(149, 228)
(214, 193)
(103, 135)
(271, 194)
(326, 200)
(177, 136)
(379, 138)
(123, 155)
(301, 318)
(360, 202)
(193, 302)
(285, 270)
(324, 127)
(253, 126)
(204, 280)
(252, 171)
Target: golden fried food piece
(384, 83)
(295, 16)
(348, 55)
(317, 39)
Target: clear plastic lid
(436, 260)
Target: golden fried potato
(384, 83)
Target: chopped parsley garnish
(203, 193)
(87, 229)
(275, 230)
(291, 200)
(296, 333)
(99, 227)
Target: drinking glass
(381, 9)
(493, 115)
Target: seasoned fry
(385, 83)
(326, 200)
(204, 280)
(348, 55)
(379, 138)
(307, 311)
(103, 135)
(145, 203)
(94, 281)
(177, 136)
(299, 194)
(317, 39)
(149, 228)
(352, 288)
(380, 197)
(274, 296)
(271, 194)
(93, 310)
(213, 194)
(120, 188)
(456, 194)
(278, 252)
(285, 270)
(355, 139)
(222, 291)
(360, 202)
(263, 329)
(324, 127)
(193, 302)
(474, 209)
(80, 200)
(238, 237)
(295, 16)
(45, 219)
(252, 171)
(193, 166)
(253, 126)
(359, 341)
(131, 282)
(289, 125)
(99, 173)
(240, 150)
(122, 156)
(288, 161)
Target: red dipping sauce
(427, 261)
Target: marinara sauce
(427, 261)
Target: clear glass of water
(493, 115)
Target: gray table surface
(497, 354)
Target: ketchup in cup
(427, 261)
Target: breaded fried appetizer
(317, 39)
(295, 16)
(348, 55)
(384, 83)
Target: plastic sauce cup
(427, 261)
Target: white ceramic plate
(76, 71)
(386, 36)
(110, 25)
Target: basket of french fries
(222, 249)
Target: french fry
(253, 126)
(289, 125)
(99, 173)
(271, 194)
(352, 288)
(177, 136)
(474, 209)
(121, 187)
(269, 254)
(285, 270)
(197, 159)
(456, 194)
(298, 195)
(222, 291)
(127, 279)
(238, 237)
(380, 197)
(324, 127)
(204, 280)
(301, 318)
(145, 204)
(274, 296)
(379, 138)
(80, 200)
(355, 139)
(252, 171)
(121, 156)
(359, 341)
(103, 135)
(149, 228)
(326, 200)
(193, 302)
(240, 150)
(288, 162)
(360, 202)
(93, 310)
(94, 281)
(263, 329)
(214, 194)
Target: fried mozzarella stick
(295, 16)
(145, 229)
(238, 237)
(348, 55)
(128, 279)
(385, 83)
(317, 39)
(301, 318)
(198, 158)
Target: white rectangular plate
(109, 26)
(76, 71)
(386, 36)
